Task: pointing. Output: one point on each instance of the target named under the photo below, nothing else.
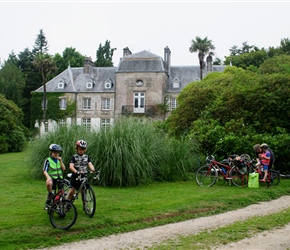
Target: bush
(131, 153)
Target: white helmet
(81, 144)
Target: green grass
(24, 224)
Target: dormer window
(61, 84)
(108, 84)
(89, 85)
(176, 83)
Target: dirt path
(277, 239)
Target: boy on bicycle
(79, 163)
(53, 169)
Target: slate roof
(143, 61)
(186, 75)
(75, 80)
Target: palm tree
(203, 47)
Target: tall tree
(32, 82)
(69, 57)
(40, 45)
(105, 55)
(203, 47)
(12, 83)
(44, 63)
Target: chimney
(209, 63)
(126, 52)
(167, 59)
(88, 65)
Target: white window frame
(108, 84)
(86, 122)
(106, 103)
(62, 122)
(173, 103)
(176, 83)
(139, 102)
(62, 103)
(87, 103)
(105, 123)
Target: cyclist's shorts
(75, 183)
(266, 167)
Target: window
(60, 85)
(108, 84)
(62, 103)
(87, 103)
(105, 124)
(139, 102)
(106, 104)
(173, 103)
(42, 104)
(175, 83)
(86, 122)
(89, 85)
(62, 122)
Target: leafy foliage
(12, 83)
(12, 133)
(53, 111)
(105, 55)
(226, 111)
(70, 57)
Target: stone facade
(141, 84)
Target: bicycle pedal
(229, 178)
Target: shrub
(131, 153)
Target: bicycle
(87, 192)
(208, 174)
(62, 212)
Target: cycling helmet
(55, 147)
(81, 144)
(264, 146)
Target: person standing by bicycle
(264, 157)
(53, 169)
(79, 163)
(258, 150)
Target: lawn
(24, 224)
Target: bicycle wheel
(274, 177)
(63, 214)
(245, 157)
(239, 179)
(89, 201)
(206, 176)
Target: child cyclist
(53, 169)
(79, 163)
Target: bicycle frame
(219, 166)
(83, 178)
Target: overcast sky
(143, 25)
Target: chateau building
(143, 85)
